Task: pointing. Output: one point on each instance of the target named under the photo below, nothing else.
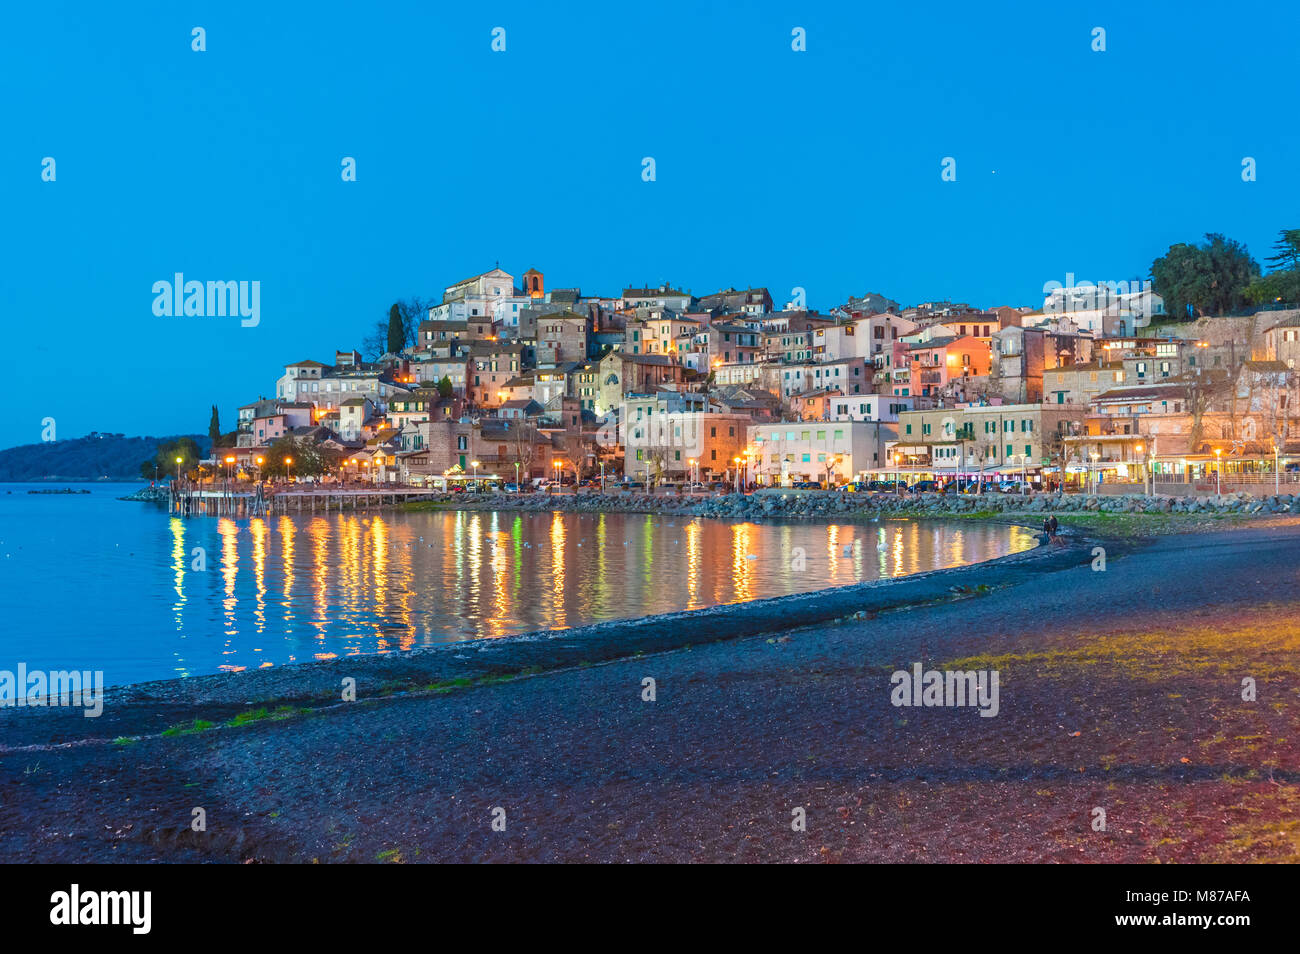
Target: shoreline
(542, 651)
(1113, 695)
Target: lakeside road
(1119, 690)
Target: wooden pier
(262, 502)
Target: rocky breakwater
(838, 504)
(157, 494)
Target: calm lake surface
(91, 582)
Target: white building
(791, 451)
(1108, 308)
(849, 376)
(869, 407)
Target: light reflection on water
(295, 588)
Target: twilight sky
(818, 169)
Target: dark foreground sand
(1120, 690)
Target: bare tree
(524, 433)
(1057, 448)
(1200, 393)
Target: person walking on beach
(1052, 525)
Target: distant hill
(94, 457)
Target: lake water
(91, 582)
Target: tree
(1056, 448)
(525, 441)
(1208, 279)
(445, 387)
(214, 427)
(165, 459)
(1200, 391)
(1283, 282)
(383, 335)
(309, 460)
(396, 331)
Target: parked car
(807, 485)
(924, 487)
(512, 488)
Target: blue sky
(818, 169)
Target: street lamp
(1138, 449)
(736, 461)
(1096, 456)
(1218, 471)
(178, 469)
(259, 470)
(518, 489)
(288, 470)
(474, 464)
(557, 465)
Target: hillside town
(510, 383)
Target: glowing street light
(1218, 470)
(288, 468)
(178, 469)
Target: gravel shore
(1120, 690)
